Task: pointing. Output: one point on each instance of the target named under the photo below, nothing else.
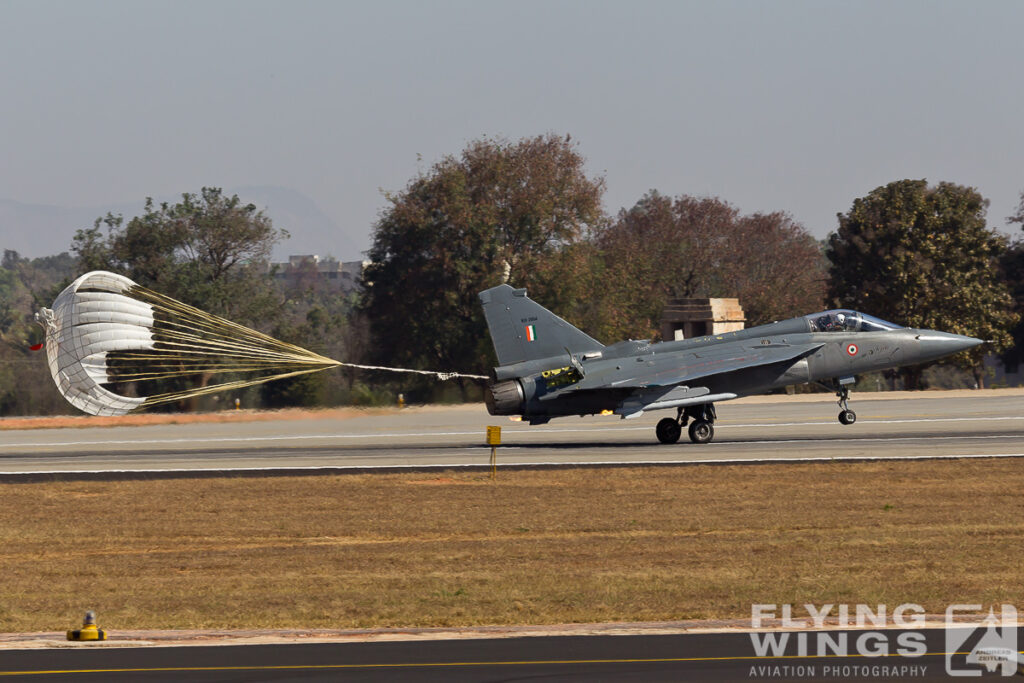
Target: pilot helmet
(841, 318)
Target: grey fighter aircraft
(548, 368)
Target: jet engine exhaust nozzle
(504, 398)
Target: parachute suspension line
(223, 386)
(212, 332)
(217, 339)
(190, 342)
(105, 330)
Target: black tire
(668, 430)
(847, 417)
(701, 431)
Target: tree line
(527, 212)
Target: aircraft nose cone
(938, 344)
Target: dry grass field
(535, 547)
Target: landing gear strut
(846, 416)
(702, 429)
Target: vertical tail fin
(521, 329)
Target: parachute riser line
(437, 373)
(106, 334)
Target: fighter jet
(548, 368)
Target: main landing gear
(701, 430)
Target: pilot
(840, 321)
(830, 323)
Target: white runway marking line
(920, 437)
(524, 432)
(873, 421)
(583, 463)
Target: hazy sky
(795, 106)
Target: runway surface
(781, 428)
(876, 656)
(935, 425)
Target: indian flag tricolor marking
(531, 333)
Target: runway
(874, 655)
(959, 424)
(989, 424)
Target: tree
(923, 257)
(1013, 269)
(208, 250)
(664, 248)
(496, 212)
(25, 286)
(317, 313)
(775, 267)
(9, 294)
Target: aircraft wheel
(847, 417)
(668, 430)
(701, 431)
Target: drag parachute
(105, 333)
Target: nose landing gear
(846, 416)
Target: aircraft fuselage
(549, 368)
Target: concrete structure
(343, 275)
(689, 318)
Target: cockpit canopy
(843, 320)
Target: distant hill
(42, 230)
(312, 231)
(37, 230)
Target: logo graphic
(851, 349)
(531, 333)
(992, 644)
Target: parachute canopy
(106, 335)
